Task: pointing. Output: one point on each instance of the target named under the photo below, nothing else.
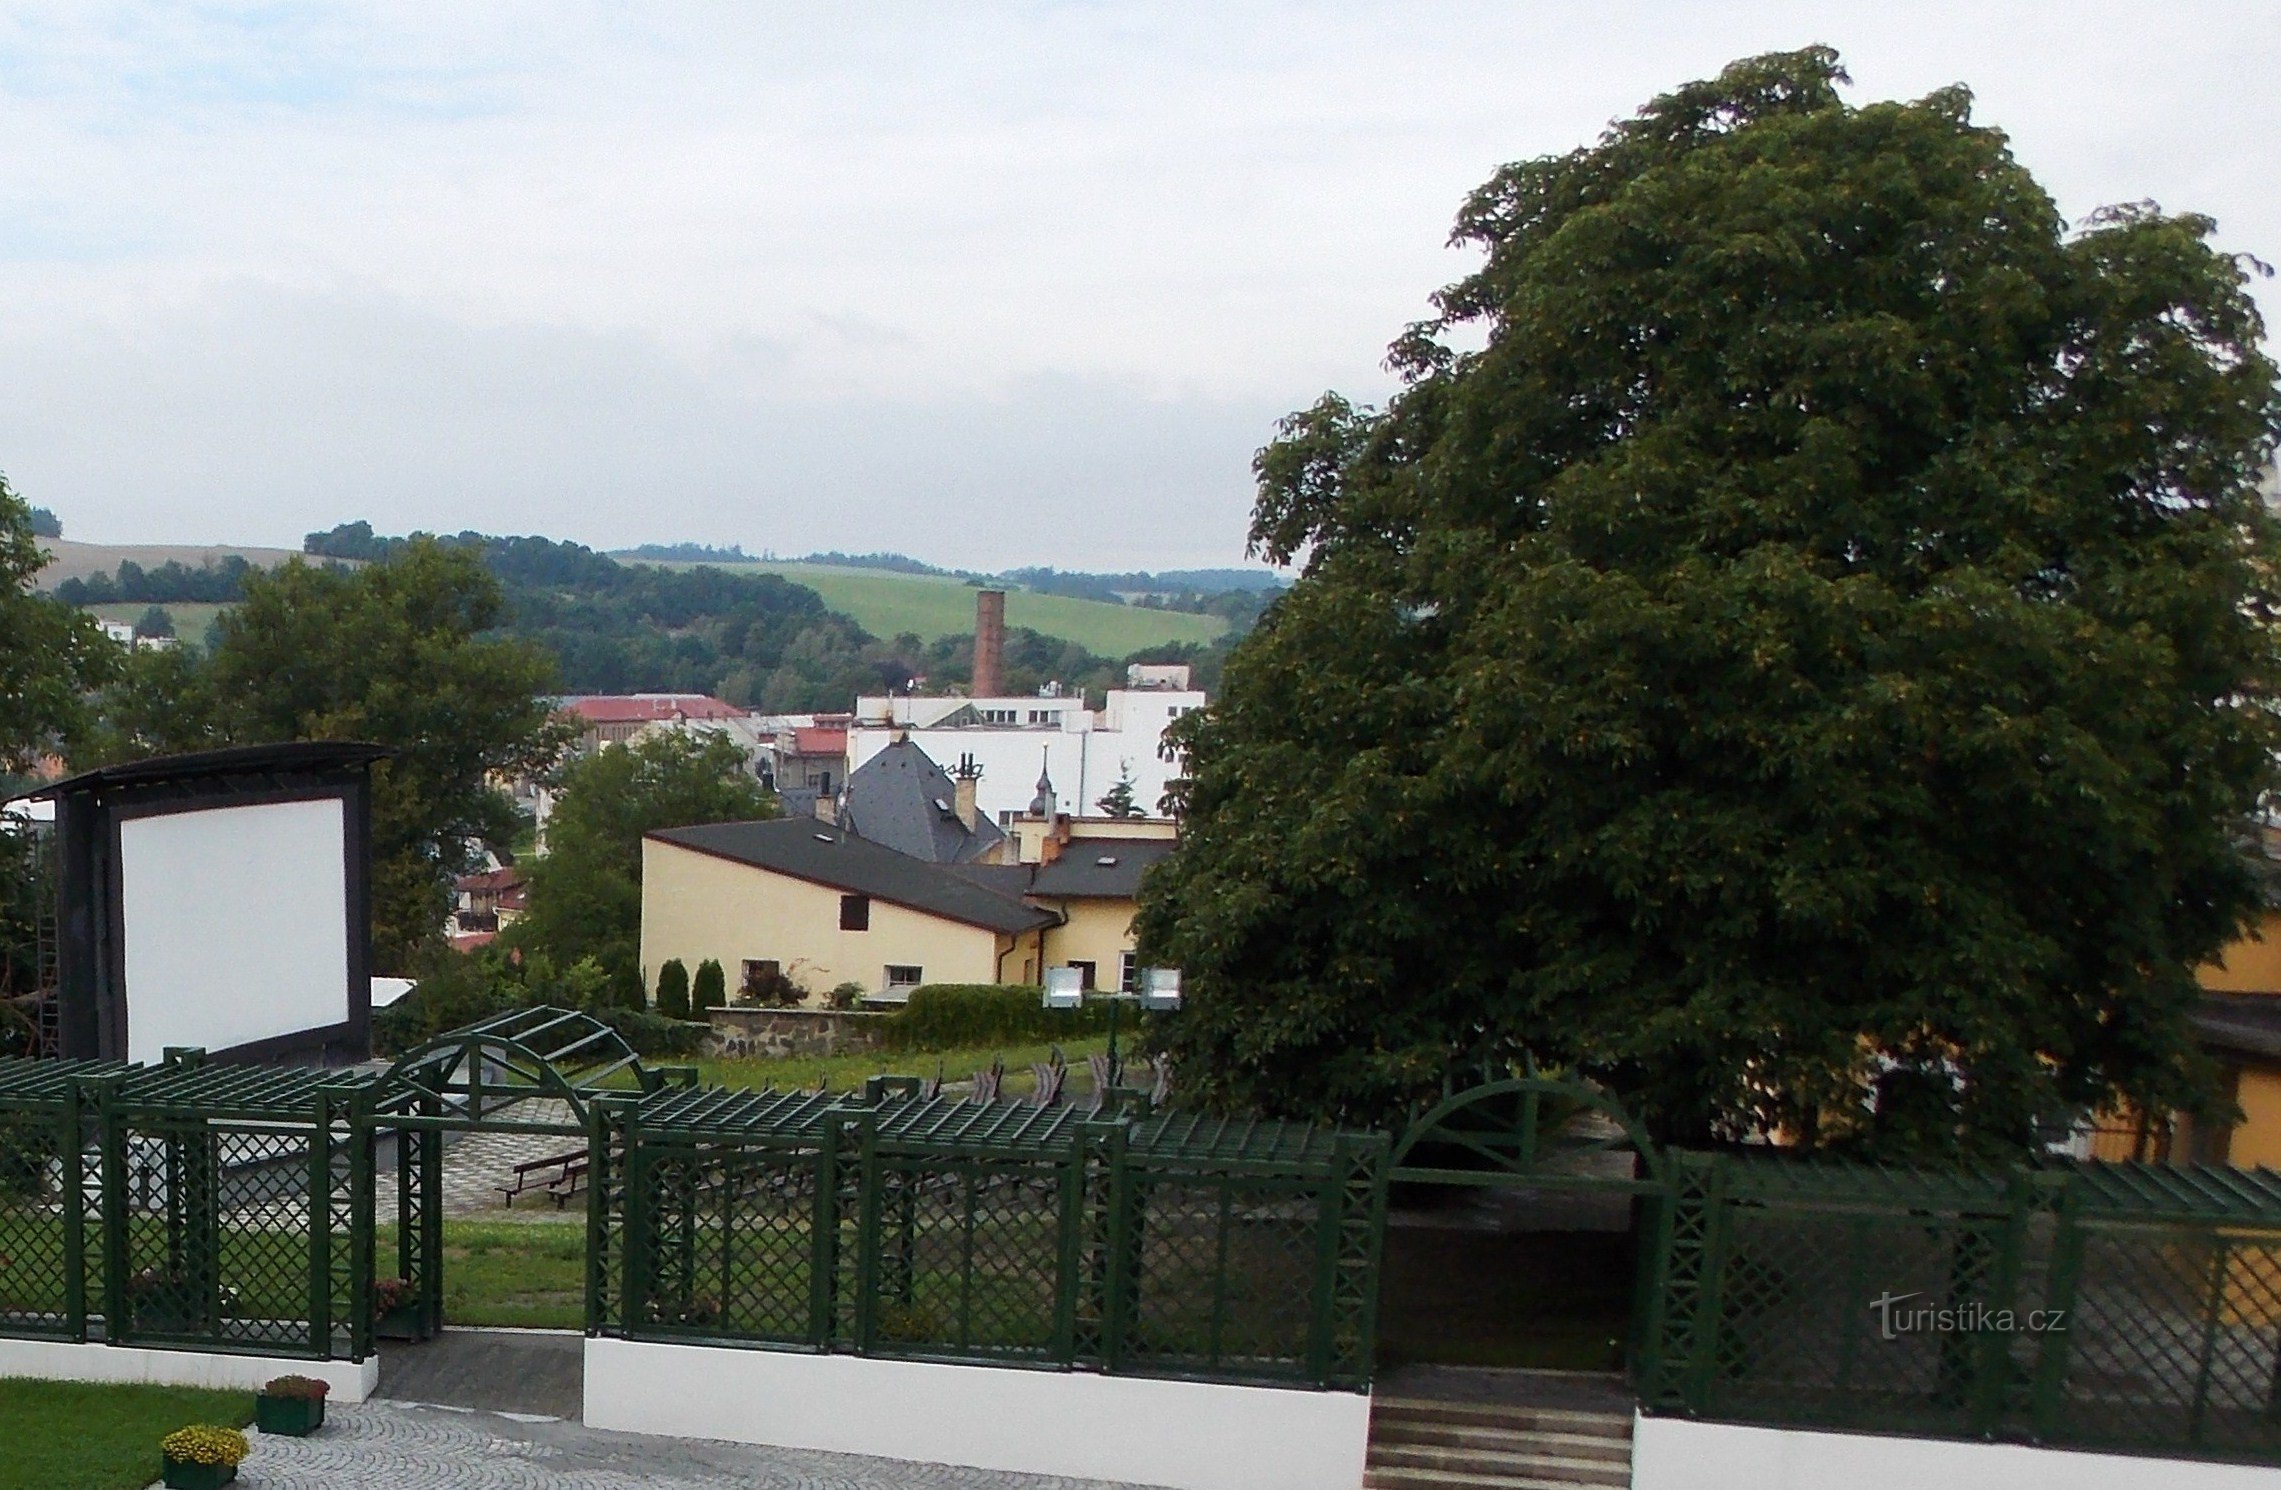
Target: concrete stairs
(1419, 1443)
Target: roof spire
(1044, 804)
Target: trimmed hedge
(946, 1016)
(673, 989)
(655, 1034)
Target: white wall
(67, 1360)
(1192, 1435)
(235, 923)
(1676, 1454)
(1084, 762)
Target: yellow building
(2239, 1024)
(821, 906)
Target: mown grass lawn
(847, 1072)
(64, 1435)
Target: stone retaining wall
(791, 1032)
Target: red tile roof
(645, 708)
(819, 741)
(490, 879)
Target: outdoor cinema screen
(234, 927)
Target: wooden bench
(570, 1183)
(533, 1175)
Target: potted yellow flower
(202, 1456)
(291, 1406)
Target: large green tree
(586, 892)
(1798, 643)
(50, 654)
(50, 657)
(395, 653)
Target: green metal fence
(886, 1224)
(180, 1205)
(199, 1206)
(2119, 1307)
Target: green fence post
(598, 1181)
(1119, 1291)
(1991, 1390)
(71, 1173)
(2205, 1357)
(2063, 1280)
(823, 1242)
(1651, 1234)
(867, 1237)
(116, 1325)
(634, 1233)
(1701, 1375)
(1330, 1220)
(320, 1181)
(363, 1222)
(1069, 1259)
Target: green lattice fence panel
(968, 1255)
(1227, 1274)
(37, 1170)
(725, 1241)
(2174, 1337)
(1850, 1316)
(219, 1238)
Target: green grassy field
(191, 618)
(888, 604)
(58, 1435)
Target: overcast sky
(988, 284)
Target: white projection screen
(234, 924)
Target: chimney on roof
(989, 643)
(965, 779)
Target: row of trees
(1799, 647)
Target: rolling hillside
(79, 560)
(887, 604)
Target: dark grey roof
(1107, 868)
(234, 760)
(806, 849)
(2245, 1022)
(902, 799)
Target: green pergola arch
(471, 1075)
(1526, 1130)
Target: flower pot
(403, 1322)
(180, 1475)
(289, 1417)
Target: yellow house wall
(696, 906)
(1096, 931)
(2257, 1139)
(2251, 965)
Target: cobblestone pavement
(477, 1166)
(406, 1447)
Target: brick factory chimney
(989, 643)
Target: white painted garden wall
(1676, 1454)
(1191, 1435)
(69, 1360)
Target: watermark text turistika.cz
(1898, 1315)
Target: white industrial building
(1018, 740)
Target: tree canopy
(1798, 646)
(586, 892)
(395, 653)
(50, 654)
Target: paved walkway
(526, 1371)
(405, 1447)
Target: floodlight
(1160, 989)
(1064, 988)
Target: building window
(1128, 972)
(824, 782)
(901, 975)
(1006, 819)
(1084, 975)
(855, 913)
